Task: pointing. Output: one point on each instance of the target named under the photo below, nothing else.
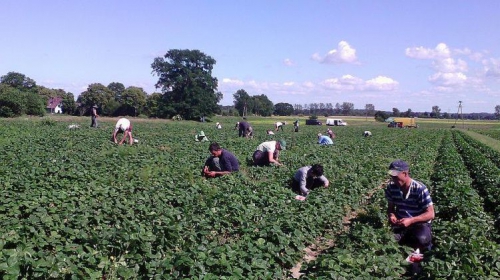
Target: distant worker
(237, 126)
(249, 132)
(330, 133)
(201, 137)
(94, 116)
(218, 125)
(308, 178)
(243, 128)
(268, 152)
(296, 126)
(269, 132)
(324, 140)
(279, 125)
(123, 126)
(367, 133)
(221, 162)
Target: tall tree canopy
(19, 81)
(185, 79)
(100, 95)
(242, 101)
(283, 109)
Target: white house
(54, 105)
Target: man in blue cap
(410, 209)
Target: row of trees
(187, 89)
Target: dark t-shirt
(228, 162)
(244, 126)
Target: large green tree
(100, 95)
(283, 109)
(242, 102)
(262, 105)
(185, 79)
(133, 100)
(118, 89)
(19, 81)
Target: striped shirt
(416, 201)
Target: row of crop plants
(76, 204)
(92, 209)
(465, 241)
(485, 174)
(490, 132)
(368, 249)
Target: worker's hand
(406, 222)
(393, 220)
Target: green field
(77, 206)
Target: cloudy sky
(392, 54)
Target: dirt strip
(321, 244)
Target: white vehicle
(335, 122)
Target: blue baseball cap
(397, 167)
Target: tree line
(187, 90)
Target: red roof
(53, 102)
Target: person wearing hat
(324, 140)
(268, 152)
(123, 125)
(367, 133)
(308, 178)
(221, 162)
(410, 209)
(94, 116)
(201, 137)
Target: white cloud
(381, 83)
(232, 82)
(492, 67)
(288, 84)
(441, 51)
(449, 65)
(351, 83)
(288, 62)
(344, 53)
(448, 79)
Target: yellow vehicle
(402, 122)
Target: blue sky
(392, 54)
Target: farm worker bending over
(279, 125)
(410, 209)
(367, 133)
(308, 178)
(268, 152)
(123, 125)
(94, 116)
(243, 129)
(249, 132)
(330, 133)
(218, 125)
(296, 126)
(221, 162)
(201, 137)
(270, 132)
(324, 140)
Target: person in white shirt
(123, 125)
(279, 125)
(268, 152)
(218, 125)
(367, 133)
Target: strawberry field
(74, 205)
